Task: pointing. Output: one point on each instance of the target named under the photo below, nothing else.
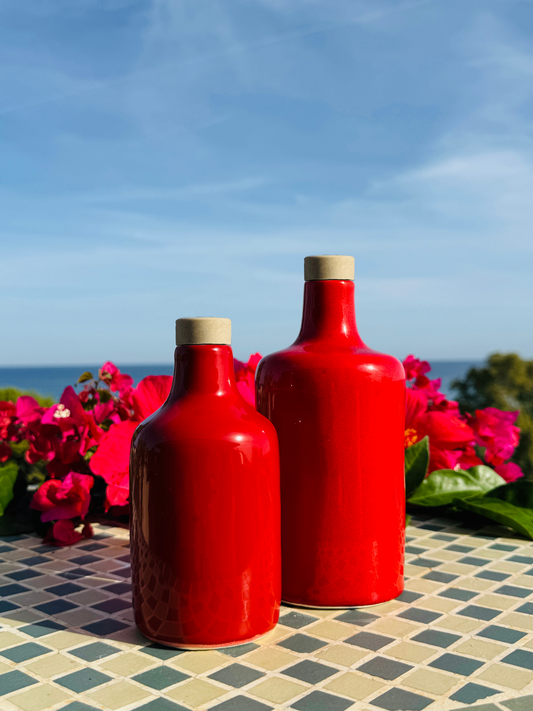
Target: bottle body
(205, 524)
(338, 408)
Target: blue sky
(168, 158)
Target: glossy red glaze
(205, 519)
(338, 408)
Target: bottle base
(192, 647)
(292, 603)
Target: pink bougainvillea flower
(245, 377)
(111, 462)
(8, 414)
(116, 380)
(63, 533)
(448, 433)
(509, 472)
(29, 410)
(149, 395)
(415, 368)
(495, 430)
(111, 459)
(64, 499)
(5, 451)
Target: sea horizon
(51, 380)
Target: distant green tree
(505, 382)
(13, 394)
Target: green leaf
(519, 493)
(105, 395)
(407, 520)
(517, 518)
(8, 475)
(416, 465)
(444, 485)
(488, 479)
(84, 377)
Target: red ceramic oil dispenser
(338, 408)
(205, 518)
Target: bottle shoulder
(205, 418)
(330, 356)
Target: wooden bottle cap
(197, 331)
(329, 266)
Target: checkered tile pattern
(460, 636)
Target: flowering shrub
(456, 442)
(84, 442)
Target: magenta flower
(509, 472)
(64, 499)
(116, 380)
(495, 430)
(245, 377)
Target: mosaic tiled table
(460, 636)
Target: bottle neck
(203, 370)
(329, 312)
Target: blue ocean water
(53, 380)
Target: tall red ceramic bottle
(205, 517)
(338, 408)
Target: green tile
(94, 651)
(82, 680)
(13, 681)
(160, 677)
(23, 652)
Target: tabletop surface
(460, 636)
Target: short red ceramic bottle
(205, 516)
(338, 408)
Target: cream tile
(196, 693)
(456, 568)
(32, 598)
(507, 675)
(356, 686)
(270, 658)
(330, 630)
(517, 619)
(458, 624)
(19, 617)
(64, 640)
(343, 656)
(8, 639)
(430, 681)
(499, 602)
(505, 566)
(411, 571)
(277, 690)
(128, 664)
(88, 597)
(395, 627)
(480, 648)
(115, 696)
(199, 662)
(276, 634)
(52, 666)
(40, 697)
(528, 644)
(80, 616)
(477, 584)
(4, 667)
(422, 585)
(386, 607)
(411, 652)
(46, 581)
(440, 604)
(525, 581)
(446, 555)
